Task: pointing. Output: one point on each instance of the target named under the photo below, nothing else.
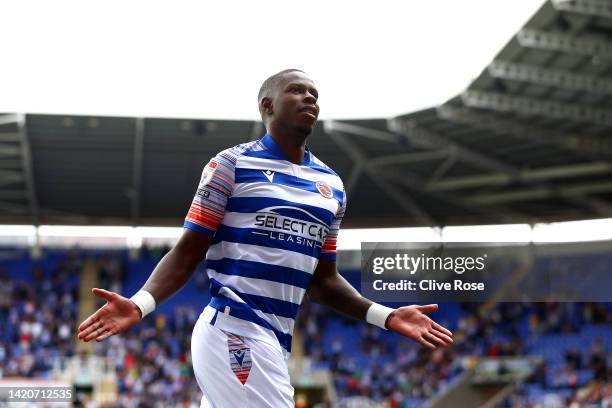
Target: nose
(310, 98)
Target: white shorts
(236, 371)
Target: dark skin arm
(170, 275)
(330, 289)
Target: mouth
(310, 115)
(310, 110)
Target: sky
(187, 59)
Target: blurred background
(95, 196)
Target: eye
(295, 90)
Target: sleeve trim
(198, 228)
(328, 256)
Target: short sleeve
(215, 186)
(328, 251)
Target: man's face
(295, 102)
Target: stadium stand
(40, 299)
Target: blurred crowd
(38, 318)
(153, 362)
(397, 368)
(414, 374)
(153, 359)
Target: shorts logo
(324, 189)
(239, 356)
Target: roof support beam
(567, 43)
(9, 118)
(403, 201)
(374, 134)
(406, 202)
(596, 205)
(426, 139)
(423, 137)
(404, 158)
(28, 170)
(445, 166)
(595, 8)
(12, 208)
(578, 190)
(9, 137)
(7, 149)
(529, 106)
(408, 181)
(592, 145)
(413, 132)
(8, 177)
(139, 128)
(549, 77)
(500, 179)
(353, 178)
(13, 194)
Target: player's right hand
(116, 316)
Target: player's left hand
(411, 321)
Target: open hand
(116, 316)
(411, 321)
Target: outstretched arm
(330, 289)
(177, 266)
(170, 274)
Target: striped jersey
(271, 221)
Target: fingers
(428, 308)
(433, 339)
(87, 327)
(441, 329)
(426, 343)
(447, 339)
(438, 338)
(89, 321)
(104, 294)
(104, 336)
(94, 332)
(91, 331)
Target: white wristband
(145, 302)
(377, 315)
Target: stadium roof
(528, 141)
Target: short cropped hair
(273, 81)
(270, 85)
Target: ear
(266, 105)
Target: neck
(291, 141)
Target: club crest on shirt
(324, 189)
(208, 172)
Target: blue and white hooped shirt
(271, 221)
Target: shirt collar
(270, 144)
